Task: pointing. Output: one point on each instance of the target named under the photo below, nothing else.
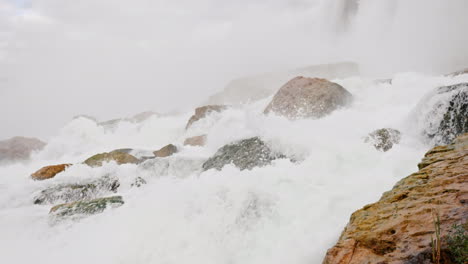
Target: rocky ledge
(399, 227)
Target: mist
(114, 58)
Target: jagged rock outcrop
(398, 228)
(196, 141)
(308, 98)
(84, 208)
(66, 193)
(383, 139)
(165, 151)
(19, 148)
(202, 112)
(49, 171)
(244, 154)
(120, 156)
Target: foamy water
(283, 213)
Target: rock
(195, 141)
(19, 148)
(165, 151)
(49, 171)
(398, 228)
(83, 208)
(448, 113)
(119, 156)
(139, 181)
(244, 154)
(308, 98)
(202, 112)
(460, 72)
(383, 139)
(66, 193)
(174, 166)
(143, 116)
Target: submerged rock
(308, 98)
(196, 141)
(165, 151)
(65, 193)
(49, 171)
(83, 208)
(119, 156)
(399, 227)
(175, 166)
(244, 154)
(202, 112)
(19, 148)
(383, 139)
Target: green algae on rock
(86, 207)
(120, 157)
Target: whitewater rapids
(283, 213)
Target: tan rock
(398, 228)
(49, 171)
(202, 112)
(19, 148)
(119, 156)
(308, 98)
(195, 141)
(165, 151)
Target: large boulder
(399, 227)
(308, 98)
(120, 156)
(444, 113)
(165, 151)
(202, 112)
(244, 154)
(49, 171)
(84, 208)
(19, 148)
(383, 139)
(66, 193)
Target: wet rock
(308, 98)
(139, 181)
(83, 208)
(244, 154)
(383, 139)
(49, 171)
(165, 151)
(398, 228)
(195, 141)
(66, 193)
(19, 148)
(120, 157)
(460, 72)
(202, 112)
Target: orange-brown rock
(165, 151)
(202, 112)
(195, 141)
(308, 98)
(398, 228)
(49, 171)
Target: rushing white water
(283, 213)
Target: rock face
(244, 154)
(448, 113)
(398, 228)
(49, 171)
(119, 156)
(196, 141)
(19, 148)
(383, 139)
(165, 151)
(83, 208)
(202, 112)
(308, 98)
(66, 193)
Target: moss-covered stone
(120, 157)
(86, 207)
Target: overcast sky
(113, 58)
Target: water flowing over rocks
(49, 171)
(119, 156)
(165, 151)
(66, 193)
(244, 154)
(196, 141)
(308, 98)
(84, 208)
(176, 166)
(383, 139)
(445, 113)
(398, 228)
(202, 112)
(19, 148)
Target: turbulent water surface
(283, 213)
